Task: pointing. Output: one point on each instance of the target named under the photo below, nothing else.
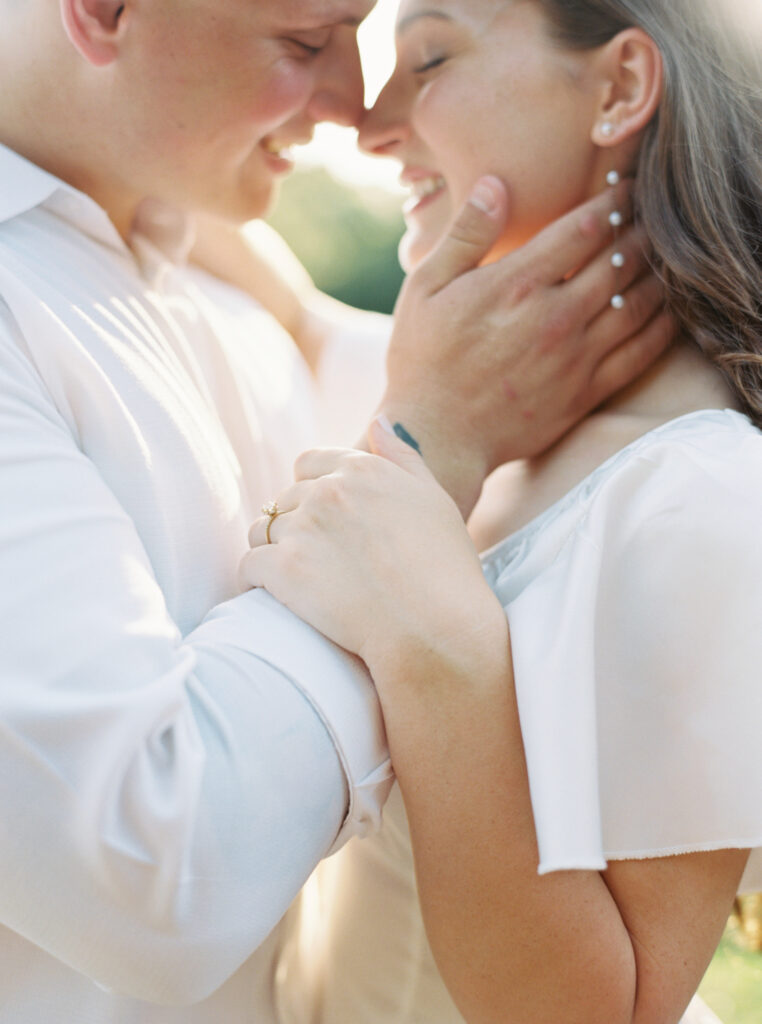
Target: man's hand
(496, 363)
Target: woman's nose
(387, 123)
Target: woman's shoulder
(699, 436)
(635, 609)
(702, 467)
(696, 462)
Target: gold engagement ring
(270, 508)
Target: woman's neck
(680, 382)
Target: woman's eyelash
(429, 65)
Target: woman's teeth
(426, 187)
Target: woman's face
(480, 87)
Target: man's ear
(632, 81)
(95, 27)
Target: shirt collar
(162, 233)
(26, 186)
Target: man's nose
(339, 88)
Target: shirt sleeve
(351, 376)
(164, 797)
(637, 658)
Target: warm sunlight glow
(335, 147)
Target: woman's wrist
(455, 457)
(462, 655)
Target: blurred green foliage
(347, 238)
(733, 984)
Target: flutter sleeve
(638, 662)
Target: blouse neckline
(502, 549)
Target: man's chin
(266, 208)
(236, 206)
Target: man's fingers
(643, 300)
(612, 272)
(560, 249)
(632, 358)
(473, 233)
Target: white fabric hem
(651, 853)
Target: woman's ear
(95, 27)
(632, 79)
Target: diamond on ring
(271, 510)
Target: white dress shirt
(635, 606)
(175, 756)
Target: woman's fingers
(287, 501)
(322, 477)
(264, 566)
(267, 529)
(317, 462)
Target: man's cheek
(284, 94)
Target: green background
(346, 238)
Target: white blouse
(635, 606)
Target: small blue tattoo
(403, 435)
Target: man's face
(211, 92)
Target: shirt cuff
(338, 687)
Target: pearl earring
(616, 220)
(607, 129)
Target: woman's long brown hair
(699, 177)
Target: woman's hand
(373, 552)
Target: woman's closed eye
(428, 44)
(429, 65)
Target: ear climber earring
(615, 220)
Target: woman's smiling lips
(425, 187)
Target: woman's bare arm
(376, 556)
(628, 946)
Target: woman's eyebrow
(405, 23)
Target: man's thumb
(394, 443)
(471, 236)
